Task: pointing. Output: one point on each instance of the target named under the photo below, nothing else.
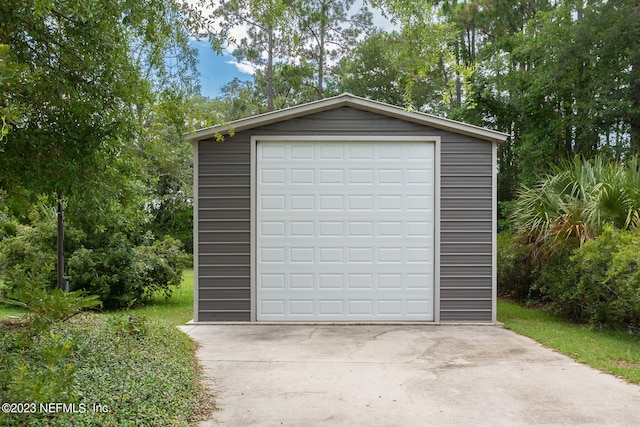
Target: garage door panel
(344, 231)
(360, 229)
(356, 307)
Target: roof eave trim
(350, 101)
(269, 118)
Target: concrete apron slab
(391, 375)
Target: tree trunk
(634, 121)
(62, 282)
(323, 30)
(270, 71)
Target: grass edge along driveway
(614, 352)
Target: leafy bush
(24, 254)
(160, 266)
(114, 261)
(35, 367)
(583, 267)
(609, 279)
(49, 305)
(28, 252)
(514, 268)
(34, 354)
(123, 275)
(556, 284)
(598, 284)
(140, 373)
(8, 226)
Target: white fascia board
(269, 118)
(196, 234)
(349, 100)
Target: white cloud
(243, 66)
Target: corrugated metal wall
(465, 229)
(223, 230)
(465, 213)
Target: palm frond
(576, 202)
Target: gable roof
(348, 100)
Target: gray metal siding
(224, 291)
(465, 213)
(466, 209)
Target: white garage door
(344, 231)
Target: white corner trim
(196, 270)
(252, 231)
(494, 235)
(436, 233)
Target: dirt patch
(626, 364)
(12, 322)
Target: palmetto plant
(574, 203)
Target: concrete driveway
(389, 375)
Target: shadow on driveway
(390, 375)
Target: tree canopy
(95, 95)
(86, 78)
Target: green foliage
(597, 283)
(160, 266)
(556, 282)
(113, 362)
(375, 68)
(124, 275)
(36, 368)
(103, 89)
(579, 227)
(49, 305)
(10, 73)
(112, 260)
(608, 286)
(168, 171)
(424, 58)
(26, 255)
(514, 269)
(8, 226)
(34, 354)
(27, 252)
(575, 203)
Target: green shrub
(25, 254)
(114, 260)
(609, 279)
(49, 305)
(34, 354)
(37, 367)
(597, 283)
(160, 266)
(8, 226)
(29, 251)
(140, 373)
(124, 275)
(514, 268)
(556, 283)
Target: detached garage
(345, 210)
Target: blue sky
(216, 70)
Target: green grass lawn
(614, 352)
(176, 310)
